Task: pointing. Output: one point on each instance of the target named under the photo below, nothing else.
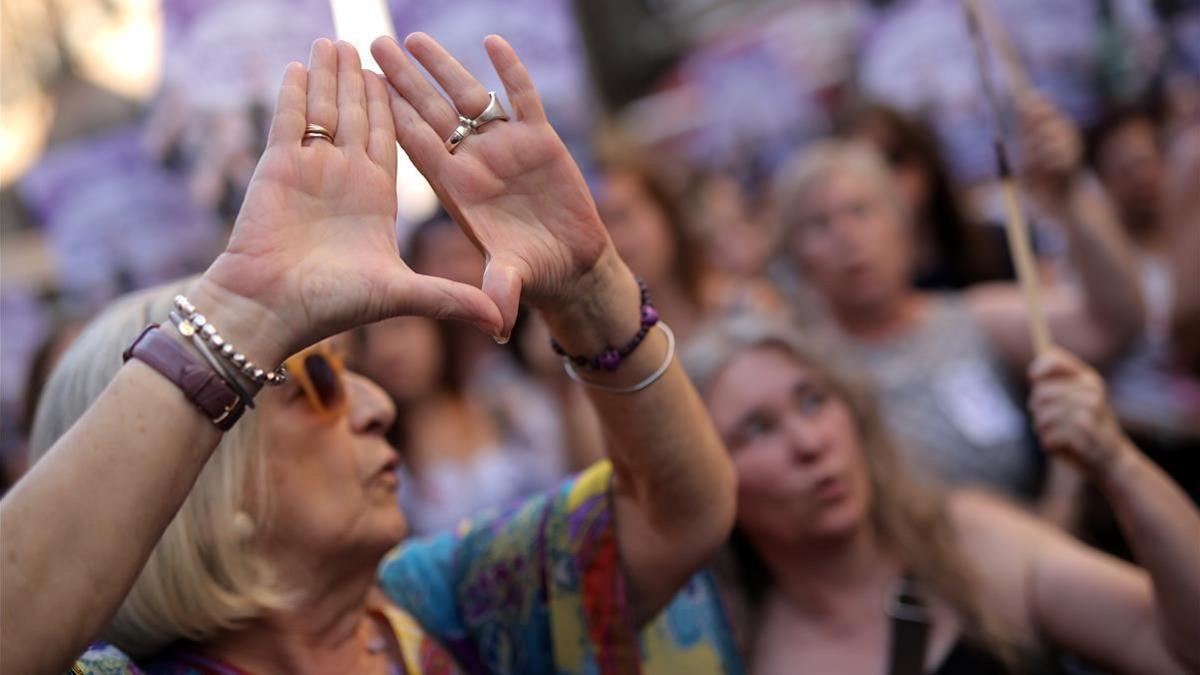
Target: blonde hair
(811, 166)
(201, 577)
(910, 517)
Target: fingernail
(501, 339)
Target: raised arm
(1137, 621)
(516, 191)
(313, 252)
(1098, 317)
(1123, 618)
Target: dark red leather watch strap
(198, 382)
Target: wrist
(1112, 474)
(604, 312)
(248, 325)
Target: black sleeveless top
(968, 659)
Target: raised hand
(314, 249)
(1051, 146)
(512, 186)
(1071, 413)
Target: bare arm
(1157, 606)
(1097, 319)
(516, 191)
(1184, 223)
(79, 527)
(1124, 618)
(313, 253)
(674, 485)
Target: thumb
(502, 283)
(439, 298)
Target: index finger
(287, 126)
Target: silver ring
(467, 126)
(460, 133)
(493, 112)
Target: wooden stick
(1014, 223)
(1015, 72)
(1027, 273)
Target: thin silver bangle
(651, 379)
(214, 362)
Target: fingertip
(383, 43)
(320, 45)
(415, 39)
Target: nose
(369, 409)
(805, 439)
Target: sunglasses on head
(318, 371)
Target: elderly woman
(945, 366)
(844, 564)
(273, 563)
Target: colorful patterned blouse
(534, 589)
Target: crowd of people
(647, 417)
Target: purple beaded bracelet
(610, 359)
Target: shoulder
(1000, 542)
(983, 520)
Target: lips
(829, 489)
(388, 473)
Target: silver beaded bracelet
(218, 366)
(195, 323)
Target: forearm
(667, 457)
(1102, 256)
(659, 439)
(1163, 528)
(80, 525)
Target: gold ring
(317, 131)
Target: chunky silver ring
(493, 112)
(467, 126)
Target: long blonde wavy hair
(910, 517)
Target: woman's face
(638, 226)
(852, 243)
(1131, 165)
(447, 252)
(736, 241)
(332, 475)
(403, 355)
(802, 475)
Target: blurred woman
(843, 563)
(643, 216)
(951, 251)
(273, 561)
(1151, 392)
(944, 365)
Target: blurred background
(131, 128)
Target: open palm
(512, 185)
(315, 241)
